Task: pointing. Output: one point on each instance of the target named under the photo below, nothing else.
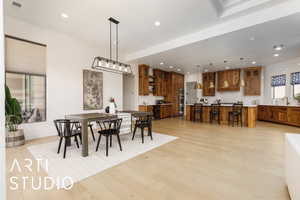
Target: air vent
(17, 4)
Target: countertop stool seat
(215, 113)
(236, 115)
(198, 112)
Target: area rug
(79, 168)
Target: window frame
(45, 83)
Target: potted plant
(297, 97)
(13, 115)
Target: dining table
(85, 119)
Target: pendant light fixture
(109, 64)
(199, 84)
(225, 84)
(242, 84)
(211, 84)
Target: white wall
(66, 58)
(228, 97)
(287, 68)
(2, 108)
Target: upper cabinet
(252, 78)
(209, 82)
(229, 80)
(143, 80)
(160, 82)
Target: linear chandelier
(108, 64)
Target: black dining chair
(215, 113)
(198, 110)
(66, 130)
(143, 122)
(108, 128)
(236, 115)
(90, 125)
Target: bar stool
(198, 110)
(214, 113)
(236, 115)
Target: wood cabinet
(165, 111)
(280, 114)
(143, 80)
(160, 86)
(252, 78)
(175, 83)
(145, 108)
(209, 79)
(231, 77)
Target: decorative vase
(15, 138)
(112, 108)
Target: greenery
(297, 97)
(12, 111)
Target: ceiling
(253, 44)
(88, 19)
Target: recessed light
(171, 67)
(253, 62)
(64, 15)
(276, 55)
(227, 67)
(188, 72)
(157, 23)
(278, 47)
(179, 70)
(206, 70)
(161, 63)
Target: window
(30, 91)
(295, 82)
(278, 86)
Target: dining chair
(108, 128)
(236, 115)
(90, 125)
(66, 130)
(143, 122)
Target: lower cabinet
(280, 114)
(165, 111)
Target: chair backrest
(215, 107)
(198, 107)
(64, 127)
(144, 119)
(237, 107)
(111, 124)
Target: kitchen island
(249, 114)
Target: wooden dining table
(84, 119)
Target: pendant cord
(117, 45)
(110, 40)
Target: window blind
(295, 78)
(279, 80)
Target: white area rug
(79, 168)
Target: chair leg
(60, 140)
(93, 135)
(150, 132)
(80, 138)
(107, 145)
(98, 143)
(119, 141)
(134, 132)
(110, 140)
(76, 140)
(65, 150)
(142, 132)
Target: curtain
(279, 80)
(295, 78)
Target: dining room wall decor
(92, 90)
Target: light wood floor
(208, 162)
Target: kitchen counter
(297, 106)
(249, 114)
